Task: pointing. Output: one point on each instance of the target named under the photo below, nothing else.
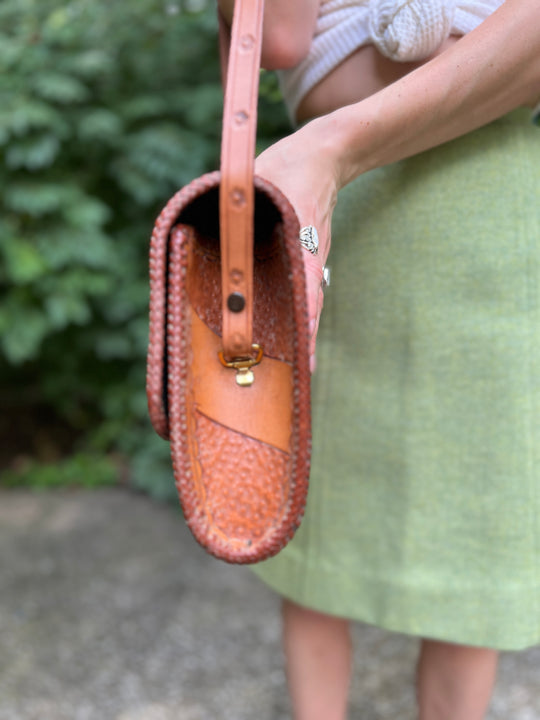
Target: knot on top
(407, 30)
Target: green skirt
(423, 512)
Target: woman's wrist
(345, 142)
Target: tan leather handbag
(228, 378)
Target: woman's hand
(303, 171)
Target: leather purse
(228, 379)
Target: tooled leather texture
(242, 497)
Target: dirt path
(110, 611)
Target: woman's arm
(489, 72)
(288, 28)
(484, 75)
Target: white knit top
(402, 30)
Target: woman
(423, 513)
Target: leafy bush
(106, 110)
(79, 469)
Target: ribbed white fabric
(410, 30)
(402, 30)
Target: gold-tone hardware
(245, 377)
(243, 365)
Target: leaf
(204, 106)
(29, 115)
(24, 262)
(137, 184)
(89, 63)
(35, 198)
(62, 247)
(22, 329)
(77, 282)
(64, 309)
(33, 153)
(100, 124)
(167, 152)
(111, 345)
(10, 52)
(144, 107)
(195, 6)
(85, 211)
(60, 88)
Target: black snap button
(236, 302)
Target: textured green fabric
(423, 513)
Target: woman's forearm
(486, 74)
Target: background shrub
(107, 108)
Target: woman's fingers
(308, 180)
(315, 298)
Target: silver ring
(309, 239)
(325, 277)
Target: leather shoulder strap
(236, 198)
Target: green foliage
(106, 109)
(80, 469)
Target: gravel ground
(110, 611)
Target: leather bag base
(240, 453)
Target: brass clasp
(243, 365)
